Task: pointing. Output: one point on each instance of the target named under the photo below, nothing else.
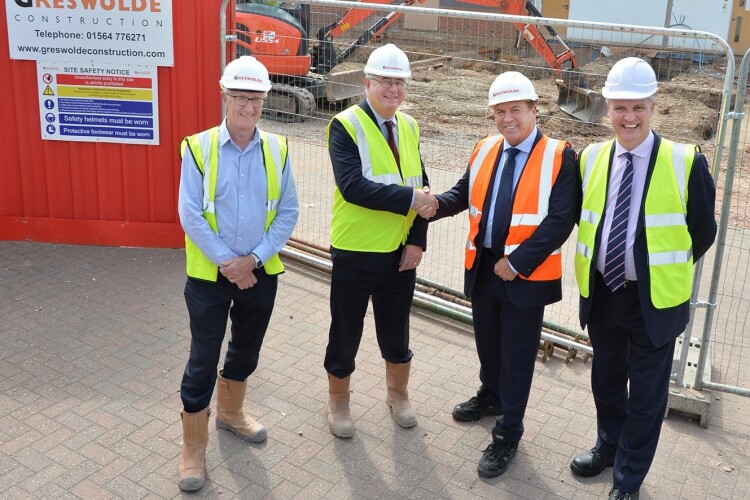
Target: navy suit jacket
(664, 325)
(564, 207)
(355, 188)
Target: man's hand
(411, 256)
(240, 271)
(425, 203)
(503, 270)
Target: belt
(628, 283)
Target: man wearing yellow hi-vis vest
(376, 243)
(238, 207)
(647, 215)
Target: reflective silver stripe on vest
(679, 152)
(275, 147)
(661, 220)
(362, 146)
(585, 250)
(527, 219)
(664, 258)
(545, 188)
(589, 216)
(474, 169)
(591, 155)
(470, 245)
(412, 123)
(205, 143)
(364, 154)
(414, 181)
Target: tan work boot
(397, 380)
(193, 456)
(230, 416)
(339, 416)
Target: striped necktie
(614, 262)
(392, 142)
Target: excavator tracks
(288, 104)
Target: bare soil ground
(455, 93)
(448, 99)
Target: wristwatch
(258, 263)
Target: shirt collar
(224, 136)
(379, 119)
(643, 150)
(525, 145)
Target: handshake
(425, 203)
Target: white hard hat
(245, 73)
(630, 78)
(388, 61)
(511, 86)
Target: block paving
(94, 343)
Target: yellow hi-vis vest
(358, 228)
(204, 147)
(670, 248)
(531, 202)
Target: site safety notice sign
(98, 102)
(104, 31)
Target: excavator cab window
(257, 16)
(300, 12)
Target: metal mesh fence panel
(455, 59)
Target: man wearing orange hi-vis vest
(521, 194)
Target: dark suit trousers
(392, 293)
(507, 338)
(628, 423)
(209, 304)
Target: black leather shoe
(615, 494)
(475, 408)
(497, 455)
(591, 463)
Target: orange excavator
(303, 71)
(276, 33)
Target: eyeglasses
(242, 100)
(399, 84)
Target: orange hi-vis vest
(530, 203)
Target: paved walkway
(94, 341)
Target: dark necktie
(392, 142)
(614, 262)
(502, 203)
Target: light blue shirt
(241, 198)
(524, 149)
(641, 156)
